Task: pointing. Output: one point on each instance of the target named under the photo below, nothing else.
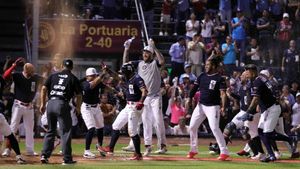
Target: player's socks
(89, 137)
(266, 139)
(14, 144)
(100, 136)
(253, 147)
(114, 138)
(137, 143)
(257, 143)
(281, 137)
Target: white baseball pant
(19, 111)
(252, 125)
(4, 127)
(92, 116)
(212, 113)
(152, 116)
(131, 115)
(269, 118)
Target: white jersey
(150, 73)
(296, 114)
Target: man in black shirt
(60, 88)
(212, 88)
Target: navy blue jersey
(63, 84)
(91, 96)
(265, 90)
(245, 97)
(2, 84)
(209, 87)
(25, 89)
(133, 92)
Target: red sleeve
(7, 73)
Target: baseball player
(296, 119)
(250, 128)
(264, 95)
(60, 88)
(149, 70)
(90, 110)
(5, 128)
(135, 95)
(212, 88)
(26, 83)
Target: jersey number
(131, 90)
(212, 85)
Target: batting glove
(19, 61)
(139, 106)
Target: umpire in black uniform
(60, 88)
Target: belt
(23, 103)
(58, 98)
(91, 105)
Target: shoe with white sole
(259, 156)
(277, 154)
(128, 148)
(88, 154)
(6, 152)
(147, 151)
(163, 150)
(20, 159)
(32, 153)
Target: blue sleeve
(135, 63)
(257, 87)
(140, 82)
(86, 86)
(223, 85)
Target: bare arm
(144, 94)
(254, 102)
(43, 99)
(223, 100)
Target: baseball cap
(265, 72)
(149, 49)
(68, 63)
(91, 71)
(187, 65)
(298, 94)
(250, 67)
(185, 76)
(285, 15)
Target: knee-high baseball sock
(274, 145)
(137, 143)
(266, 139)
(114, 138)
(281, 137)
(89, 137)
(257, 142)
(14, 144)
(100, 136)
(253, 147)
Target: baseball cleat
(71, 162)
(147, 151)
(6, 152)
(32, 153)
(44, 160)
(243, 153)
(163, 150)
(101, 150)
(106, 149)
(268, 159)
(259, 156)
(223, 157)
(20, 159)
(88, 154)
(137, 157)
(295, 155)
(128, 148)
(277, 154)
(191, 154)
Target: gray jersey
(150, 73)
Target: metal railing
(27, 43)
(140, 14)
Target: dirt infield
(123, 156)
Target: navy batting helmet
(68, 63)
(127, 68)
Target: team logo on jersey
(212, 84)
(144, 67)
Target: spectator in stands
(148, 9)
(177, 53)
(287, 96)
(229, 50)
(188, 71)
(177, 110)
(294, 88)
(221, 29)
(182, 14)
(265, 32)
(239, 35)
(290, 64)
(225, 11)
(245, 6)
(213, 47)
(109, 113)
(261, 5)
(195, 51)
(168, 128)
(198, 8)
(207, 26)
(276, 9)
(109, 9)
(253, 53)
(181, 129)
(284, 34)
(192, 27)
(165, 17)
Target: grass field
(204, 160)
